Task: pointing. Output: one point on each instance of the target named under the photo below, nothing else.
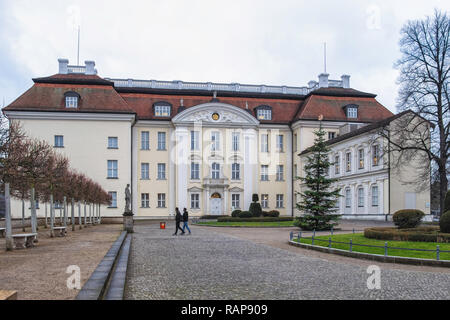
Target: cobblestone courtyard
(214, 265)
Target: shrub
(255, 197)
(408, 218)
(447, 202)
(211, 217)
(274, 213)
(425, 234)
(444, 222)
(260, 219)
(255, 209)
(236, 213)
(265, 213)
(245, 214)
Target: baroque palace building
(209, 146)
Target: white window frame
(348, 198)
(264, 142)
(162, 111)
(113, 143)
(264, 114)
(195, 140)
(145, 200)
(375, 196)
(264, 172)
(337, 164)
(235, 141)
(195, 201)
(161, 200)
(113, 169)
(352, 112)
(348, 161)
(215, 141)
(59, 141)
(161, 141)
(161, 171)
(264, 201)
(145, 140)
(145, 171)
(280, 143)
(280, 201)
(71, 102)
(375, 155)
(280, 172)
(235, 171)
(361, 197)
(215, 170)
(113, 203)
(361, 159)
(235, 201)
(195, 171)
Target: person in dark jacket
(178, 218)
(186, 220)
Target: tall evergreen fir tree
(318, 201)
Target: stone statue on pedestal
(128, 201)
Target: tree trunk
(8, 226)
(23, 215)
(85, 214)
(52, 216)
(79, 215)
(33, 212)
(46, 217)
(65, 212)
(443, 188)
(72, 216)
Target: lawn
(358, 238)
(248, 224)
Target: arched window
(264, 112)
(348, 198)
(162, 109)
(71, 99)
(215, 172)
(361, 197)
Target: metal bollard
(332, 230)
(329, 242)
(437, 252)
(353, 230)
(312, 240)
(385, 249)
(314, 233)
(299, 236)
(291, 235)
(351, 245)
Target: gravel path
(212, 265)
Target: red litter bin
(162, 225)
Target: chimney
(345, 81)
(63, 63)
(90, 67)
(323, 80)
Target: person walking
(186, 220)
(178, 218)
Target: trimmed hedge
(424, 234)
(273, 213)
(236, 213)
(260, 219)
(444, 222)
(211, 217)
(245, 214)
(408, 218)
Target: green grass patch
(248, 224)
(358, 238)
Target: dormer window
(351, 111)
(71, 99)
(264, 113)
(162, 109)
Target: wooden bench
(8, 295)
(2, 232)
(62, 231)
(24, 240)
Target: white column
(289, 175)
(172, 173)
(381, 209)
(250, 166)
(181, 134)
(134, 171)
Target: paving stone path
(210, 265)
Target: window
(194, 140)
(264, 143)
(280, 144)
(215, 141)
(145, 171)
(112, 169)
(161, 141)
(235, 141)
(265, 201)
(280, 202)
(264, 113)
(71, 101)
(361, 158)
(348, 161)
(195, 171)
(162, 109)
(264, 173)
(145, 200)
(161, 171)
(161, 200)
(59, 141)
(352, 112)
(375, 155)
(337, 165)
(215, 173)
(235, 171)
(280, 173)
(331, 135)
(235, 201)
(113, 143)
(348, 198)
(374, 196)
(145, 140)
(360, 197)
(337, 203)
(195, 201)
(113, 196)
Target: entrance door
(216, 204)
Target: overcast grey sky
(258, 42)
